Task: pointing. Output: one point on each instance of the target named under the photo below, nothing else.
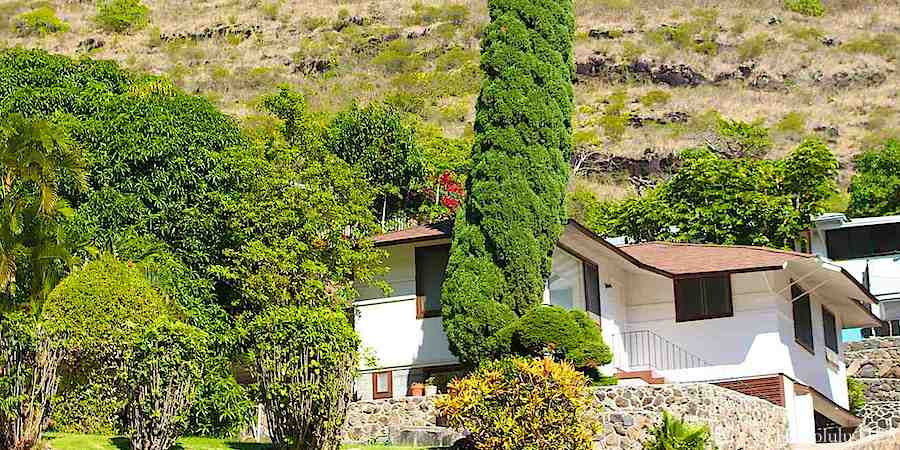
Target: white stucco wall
(757, 340)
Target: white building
(761, 321)
(869, 249)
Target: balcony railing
(646, 350)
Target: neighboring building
(868, 248)
(760, 321)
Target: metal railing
(646, 350)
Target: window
(860, 242)
(382, 385)
(431, 266)
(591, 288)
(803, 333)
(566, 283)
(831, 333)
(703, 298)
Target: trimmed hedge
(95, 313)
(513, 213)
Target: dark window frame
(859, 242)
(683, 316)
(421, 305)
(834, 328)
(376, 394)
(799, 299)
(591, 276)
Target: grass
(60, 441)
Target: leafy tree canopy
(875, 189)
(380, 141)
(154, 154)
(724, 201)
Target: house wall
(747, 344)
(390, 330)
(757, 340)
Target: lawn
(60, 441)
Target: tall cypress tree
(513, 214)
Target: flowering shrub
(522, 404)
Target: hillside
(653, 77)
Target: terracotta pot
(417, 390)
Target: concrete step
(647, 376)
(423, 436)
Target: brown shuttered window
(703, 298)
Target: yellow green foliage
(806, 7)
(40, 21)
(522, 404)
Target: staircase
(640, 356)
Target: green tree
(379, 141)
(36, 159)
(302, 234)
(718, 200)
(513, 213)
(875, 189)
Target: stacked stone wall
(876, 363)
(737, 421)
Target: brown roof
(689, 259)
(665, 258)
(418, 233)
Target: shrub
(882, 44)
(28, 380)
(160, 375)
(522, 404)
(856, 390)
(806, 7)
(398, 57)
(792, 122)
(655, 97)
(744, 139)
(753, 47)
(94, 313)
(223, 408)
(674, 434)
(304, 361)
(40, 21)
(566, 335)
(513, 212)
(121, 15)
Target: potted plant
(431, 386)
(417, 390)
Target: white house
(868, 248)
(761, 321)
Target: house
(760, 321)
(868, 248)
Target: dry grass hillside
(653, 77)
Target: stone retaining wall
(371, 421)
(737, 421)
(876, 363)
